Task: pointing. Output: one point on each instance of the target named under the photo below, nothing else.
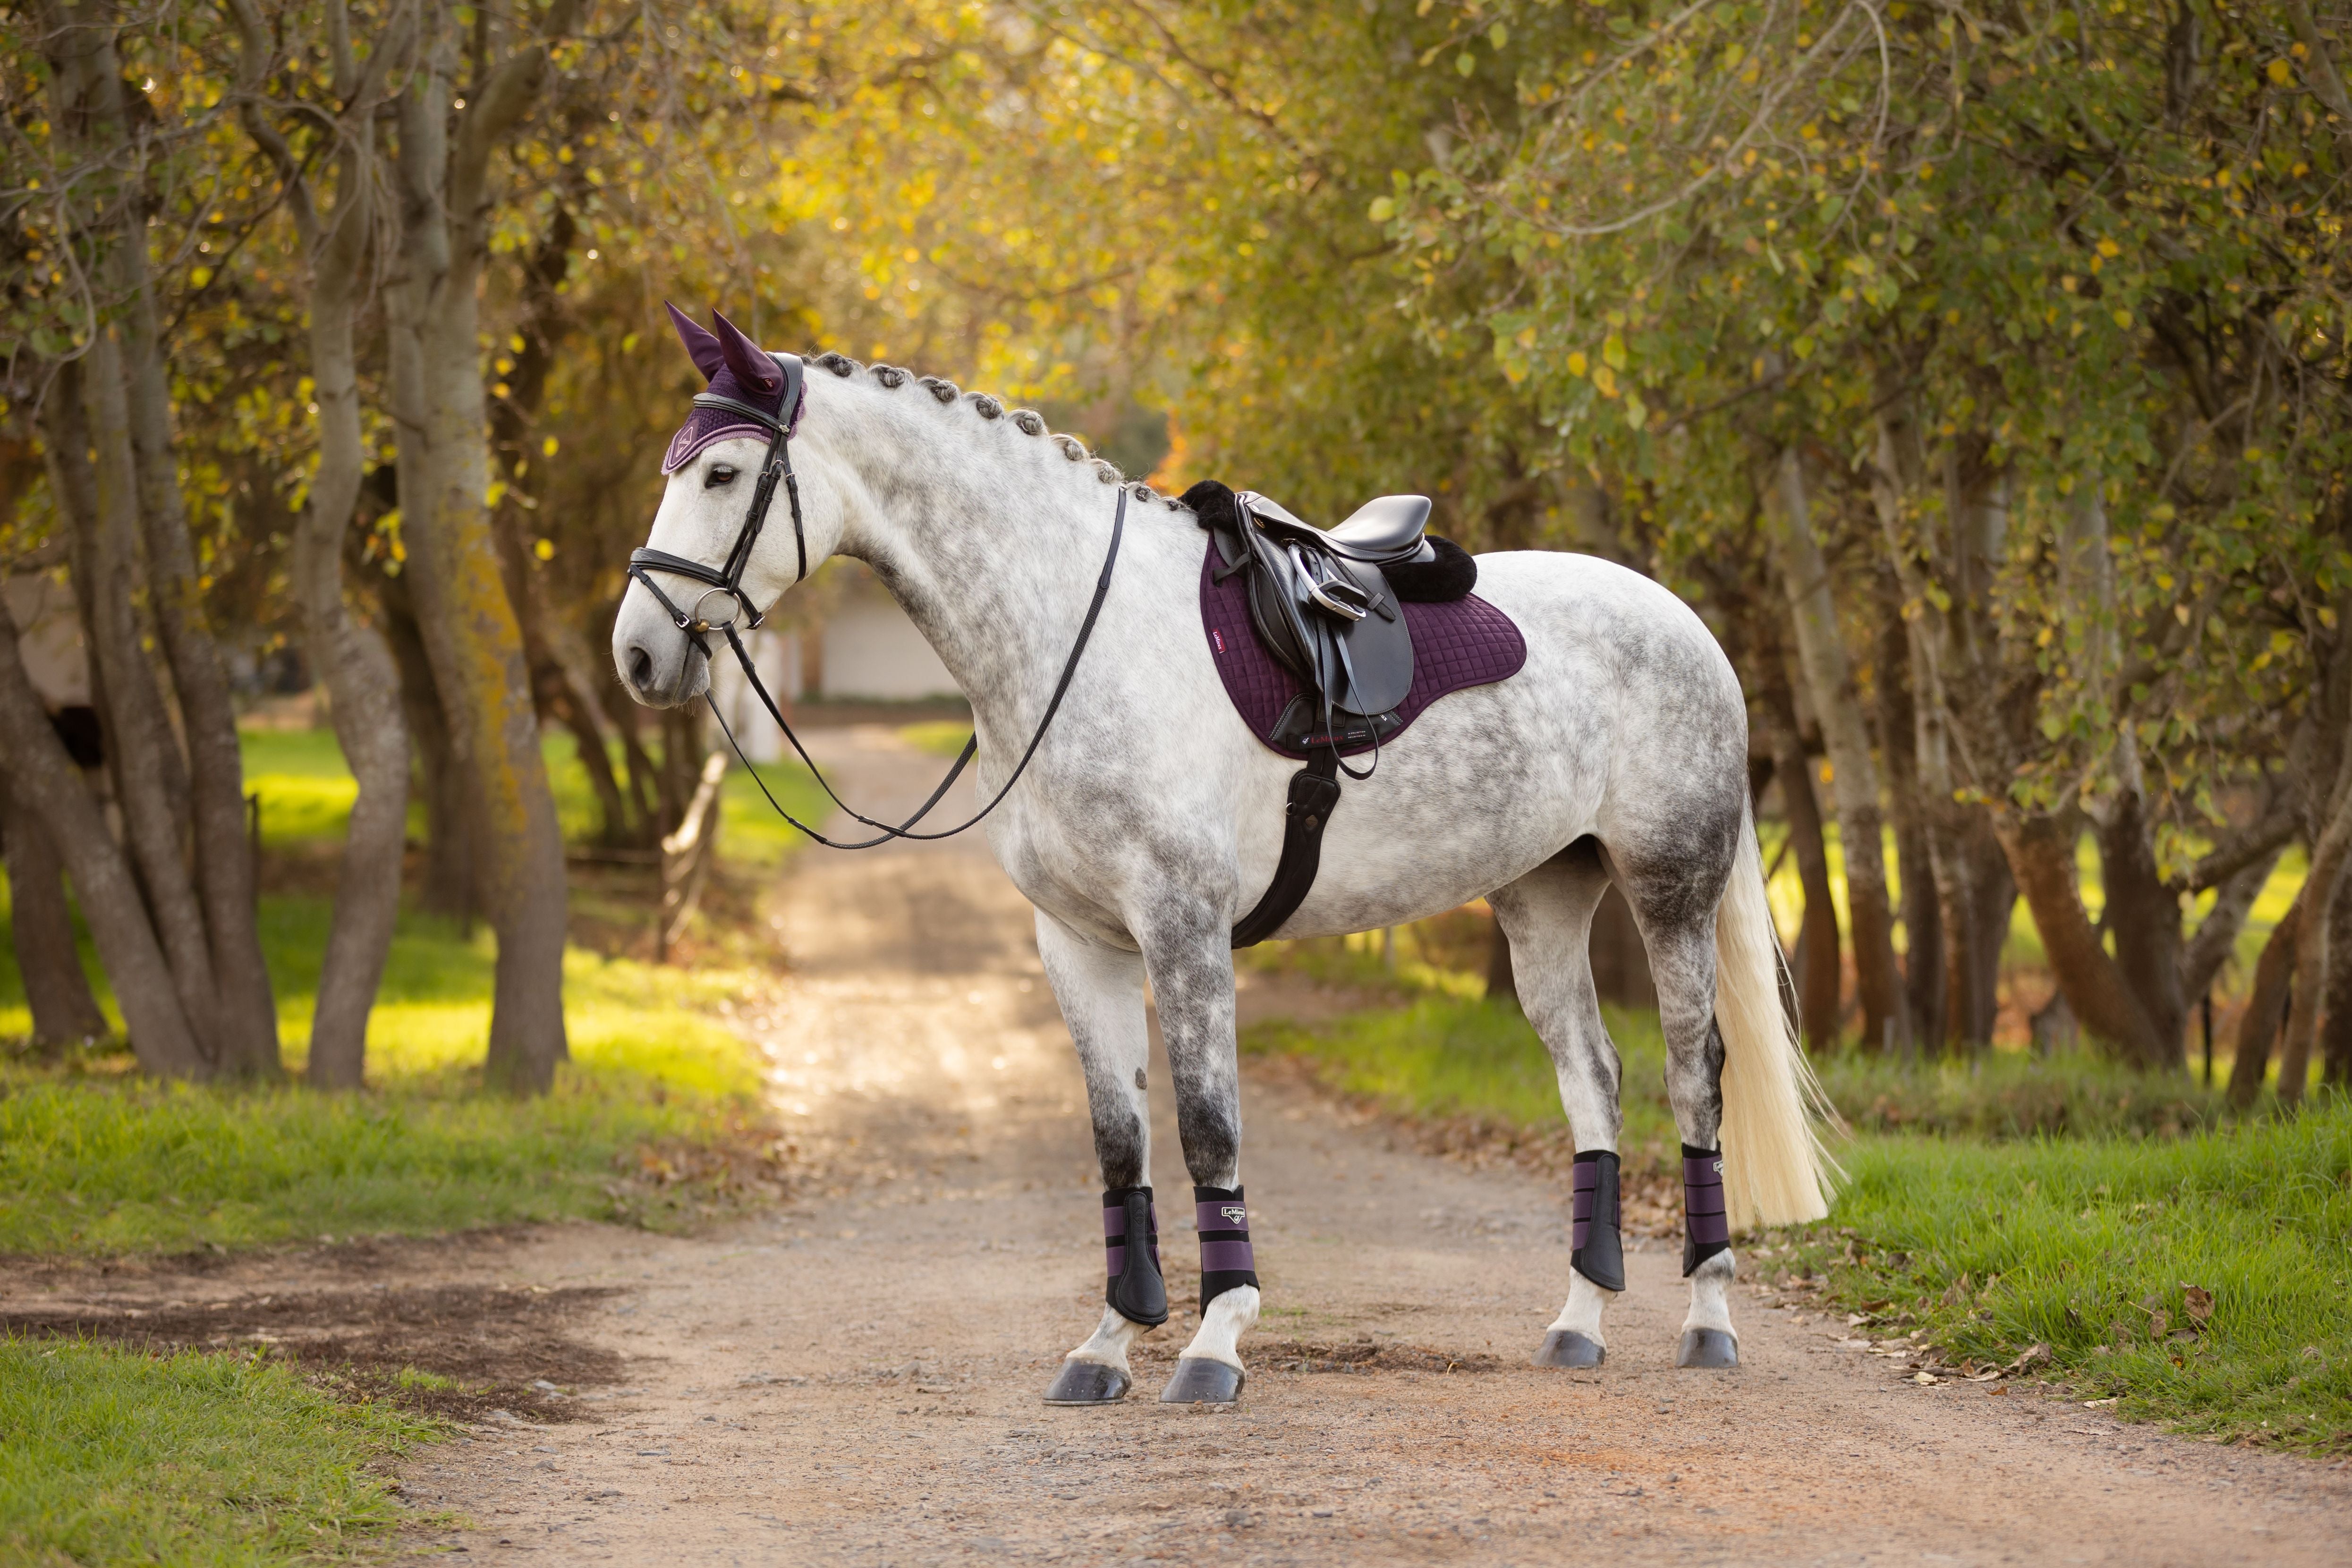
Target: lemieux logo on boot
(1235, 1212)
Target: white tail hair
(1775, 1170)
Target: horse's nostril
(641, 668)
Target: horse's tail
(1775, 1170)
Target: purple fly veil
(736, 368)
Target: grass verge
(95, 1160)
(2199, 1282)
(115, 1457)
(2112, 1230)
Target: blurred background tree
(1979, 375)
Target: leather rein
(728, 579)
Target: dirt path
(856, 1380)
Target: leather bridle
(728, 579)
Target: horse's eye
(721, 474)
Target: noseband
(728, 579)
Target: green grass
(1993, 1207)
(96, 1161)
(307, 794)
(1444, 1057)
(109, 1456)
(2090, 1248)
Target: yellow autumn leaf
(2282, 72)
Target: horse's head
(698, 567)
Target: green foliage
(112, 1456)
(2086, 254)
(2092, 1248)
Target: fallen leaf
(1925, 1379)
(2197, 1302)
(2034, 1356)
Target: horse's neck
(991, 553)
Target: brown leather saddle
(1322, 602)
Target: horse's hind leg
(1548, 916)
(1101, 993)
(1674, 900)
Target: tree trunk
(1973, 950)
(363, 698)
(470, 629)
(449, 877)
(44, 779)
(2335, 1023)
(2041, 850)
(2143, 916)
(2258, 1026)
(152, 784)
(1853, 780)
(245, 1033)
(1924, 959)
(2328, 856)
(64, 1011)
(2217, 935)
(1819, 973)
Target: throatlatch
(1226, 1260)
(1136, 1291)
(1706, 1227)
(1598, 1246)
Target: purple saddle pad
(1465, 642)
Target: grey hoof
(1087, 1383)
(1707, 1348)
(1566, 1347)
(1200, 1381)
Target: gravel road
(857, 1379)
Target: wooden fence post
(686, 858)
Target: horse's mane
(1027, 421)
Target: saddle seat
(1322, 605)
(1384, 531)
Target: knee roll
(1706, 1227)
(1598, 1247)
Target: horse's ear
(707, 355)
(751, 366)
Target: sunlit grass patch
(109, 1162)
(2200, 1280)
(1441, 1057)
(112, 1456)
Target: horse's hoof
(1708, 1348)
(1087, 1383)
(1200, 1381)
(1566, 1347)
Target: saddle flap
(1363, 666)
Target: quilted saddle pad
(1465, 642)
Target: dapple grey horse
(1150, 817)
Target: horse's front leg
(1190, 954)
(1101, 993)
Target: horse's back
(1627, 654)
